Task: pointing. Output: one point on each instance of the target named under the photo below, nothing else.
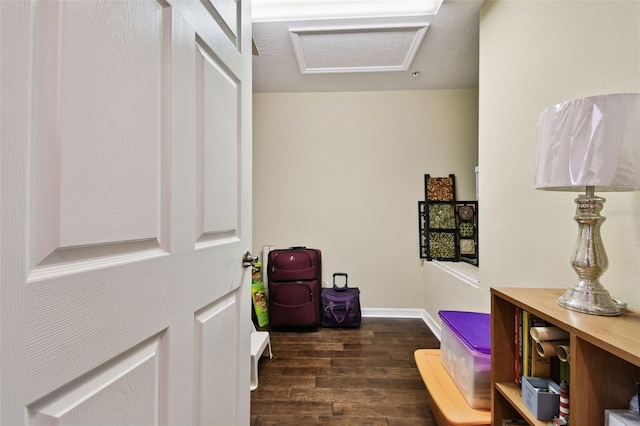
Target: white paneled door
(125, 212)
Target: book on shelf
(524, 364)
(517, 347)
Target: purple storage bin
(465, 352)
(473, 328)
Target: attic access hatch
(338, 36)
(349, 49)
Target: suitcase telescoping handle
(340, 274)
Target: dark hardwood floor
(364, 376)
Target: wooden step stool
(260, 344)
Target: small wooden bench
(448, 405)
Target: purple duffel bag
(340, 305)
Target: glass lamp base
(589, 260)
(592, 301)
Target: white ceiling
(370, 54)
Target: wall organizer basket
(448, 229)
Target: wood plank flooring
(364, 376)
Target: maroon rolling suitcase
(294, 283)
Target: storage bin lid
(473, 328)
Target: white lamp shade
(592, 141)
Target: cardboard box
(465, 344)
(541, 396)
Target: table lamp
(590, 144)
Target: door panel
(215, 333)
(101, 397)
(97, 98)
(109, 127)
(125, 176)
(217, 144)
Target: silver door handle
(248, 259)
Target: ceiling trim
(395, 46)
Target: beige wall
(344, 172)
(534, 54)
(353, 163)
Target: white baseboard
(404, 313)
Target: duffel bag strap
(346, 311)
